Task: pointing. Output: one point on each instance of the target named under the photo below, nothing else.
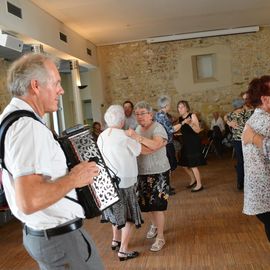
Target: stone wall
(138, 71)
(4, 94)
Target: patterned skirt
(126, 210)
(153, 191)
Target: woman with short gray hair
(164, 104)
(143, 105)
(119, 153)
(163, 101)
(154, 167)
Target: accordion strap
(6, 123)
(72, 199)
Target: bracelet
(252, 139)
(140, 139)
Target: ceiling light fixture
(222, 32)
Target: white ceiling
(117, 21)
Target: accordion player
(78, 145)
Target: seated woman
(119, 153)
(96, 130)
(257, 167)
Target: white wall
(92, 92)
(97, 95)
(37, 25)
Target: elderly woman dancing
(119, 152)
(161, 117)
(236, 120)
(257, 167)
(191, 155)
(154, 169)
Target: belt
(55, 231)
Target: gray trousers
(73, 251)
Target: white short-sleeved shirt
(31, 149)
(219, 122)
(119, 153)
(156, 162)
(130, 122)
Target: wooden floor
(204, 230)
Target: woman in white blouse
(119, 152)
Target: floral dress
(257, 168)
(153, 178)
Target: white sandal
(158, 245)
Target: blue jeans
(240, 163)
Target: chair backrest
(206, 145)
(216, 132)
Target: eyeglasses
(141, 114)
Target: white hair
(28, 67)
(143, 105)
(114, 116)
(163, 102)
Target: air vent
(89, 52)
(63, 37)
(14, 10)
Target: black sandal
(127, 255)
(192, 185)
(116, 246)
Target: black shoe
(191, 185)
(196, 190)
(115, 245)
(127, 255)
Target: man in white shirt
(36, 178)
(216, 132)
(217, 121)
(130, 120)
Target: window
(204, 68)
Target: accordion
(78, 145)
